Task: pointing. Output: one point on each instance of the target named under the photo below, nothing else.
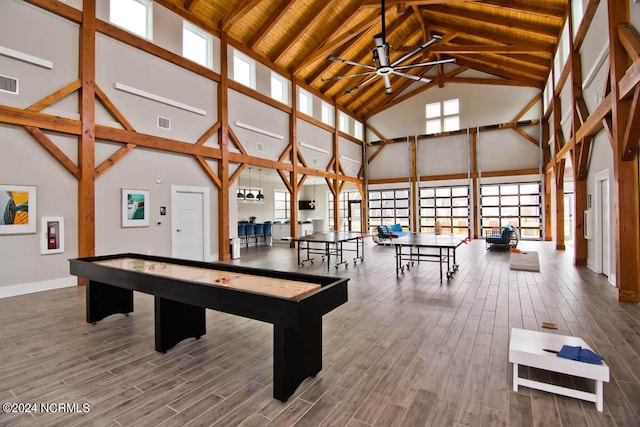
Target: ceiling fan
(383, 67)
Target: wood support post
(293, 176)
(224, 250)
(87, 139)
(558, 170)
(579, 162)
(626, 197)
(475, 184)
(413, 179)
(336, 168)
(548, 227)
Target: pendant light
(240, 194)
(260, 196)
(250, 194)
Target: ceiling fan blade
(364, 83)
(346, 61)
(348, 75)
(420, 48)
(424, 64)
(412, 77)
(387, 84)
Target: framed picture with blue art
(135, 208)
(17, 209)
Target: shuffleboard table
(294, 303)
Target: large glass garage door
(519, 205)
(388, 207)
(448, 205)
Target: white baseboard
(45, 285)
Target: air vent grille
(164, 123)
(259, 147)
(8, 84)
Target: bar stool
(241, 232)
(249, 232)
(268, 239)
(259, 232)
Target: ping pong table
(439, 248)
(330, 244)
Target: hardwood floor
(401, 352)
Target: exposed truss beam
(269, 23)
(238, 12)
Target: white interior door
(605, 225)
(190, 219)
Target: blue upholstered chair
(241, 232)
(259, 233)
(249, 231)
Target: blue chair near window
(249, 231)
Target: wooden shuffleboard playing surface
(293, 302)
(246, 282)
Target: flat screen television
(306, 205)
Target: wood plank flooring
(401, 352)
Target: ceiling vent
(259, 147)
(8, 84)
(164, 123)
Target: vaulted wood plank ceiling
(511, 42)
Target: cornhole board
(525, 261)
(530, 348)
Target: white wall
(249, 111)
(24, 162)
(480, 105)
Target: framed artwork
(17, 209)
(52, 239)
(135, 208)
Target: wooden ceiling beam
(269, 23)
(547, 31)
(481, 81)
(558, 13)
(472, 29)
(374, 3)
(311, 16)
(346, 16)
(237, 13)
(339, 41)
(503, 70)
(190, 4)
(489, 48)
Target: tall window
(135, 16)
(343, 124)
(281, 205)
(448, 205)
(327, 114)
(305, 102)
(196, 44)
(357, 130)
(388, 207)
(518, 205)
(343, 208)
(279, 88)
(244, 69)
(443, 116)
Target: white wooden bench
(527, 348)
